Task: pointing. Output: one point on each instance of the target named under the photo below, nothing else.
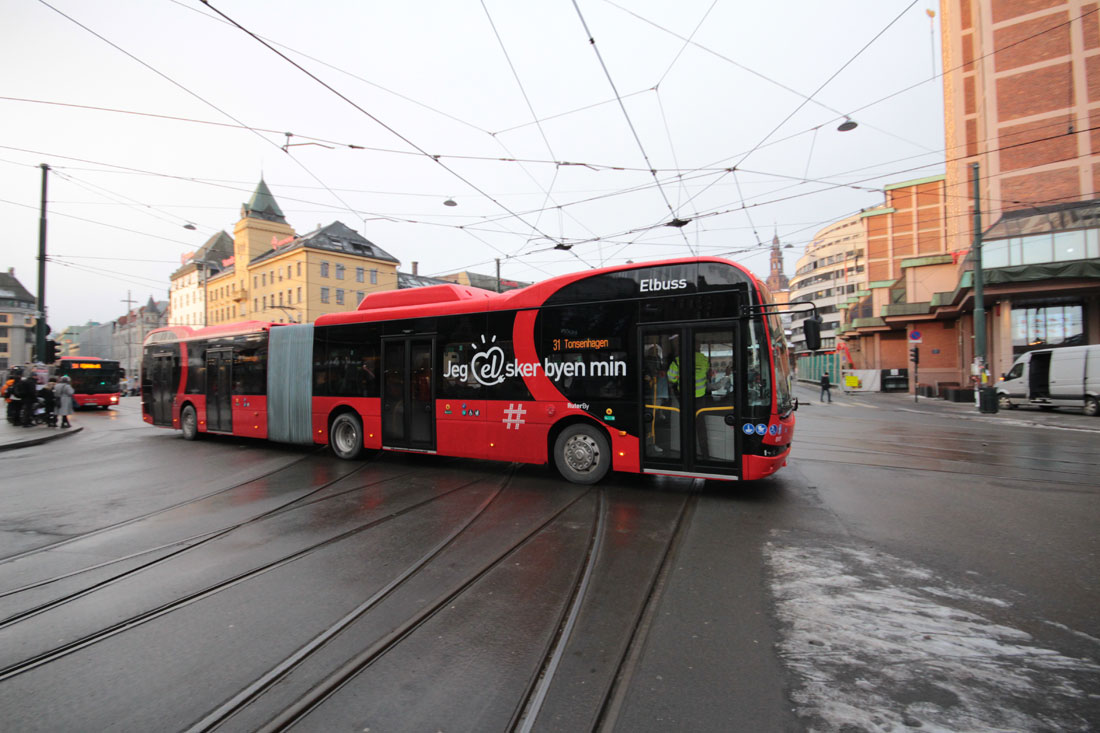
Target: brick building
(1022, 96)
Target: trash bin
(987, 399)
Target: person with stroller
(49, 403)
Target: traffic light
(51, 352)
(914, 354)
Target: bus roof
(186, 333)
(450, 299)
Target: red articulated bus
(677, 367)
(95, 381)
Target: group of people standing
(24, 396)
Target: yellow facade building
(276, 275)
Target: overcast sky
(540, 136)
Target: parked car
(1049, 378)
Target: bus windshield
(91, 377)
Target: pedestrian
(825, 387)
(15, 405)
(64, 393)
(27, 392)
(49, 402)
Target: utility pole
(498, 274)
(979, 295)
(129, 333)
(40, 326)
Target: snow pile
(877, 644)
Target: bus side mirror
(811, 327)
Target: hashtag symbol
(513, 416)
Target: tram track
(834, 448)
(149, 515)
(136, 620)
(539, 689)
(194, 540)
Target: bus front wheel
(346, 436)
(582, 454)
(189, 423)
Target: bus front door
(408, 389)
(219, 398)
(689, 413)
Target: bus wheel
(1092, 406)
(582, 454)
(346, 436)
(189, 423)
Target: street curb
(38, 441)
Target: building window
(1038, 327)
(359, 295)
(280, 298)
(263, 279)
(255, 281)
(339, 271)
(288, 271)
(324, 295)
(339, 296)
(374, 277)
(289, 296)
(299, 269)
(299, 294)
(265, 302)
(360, 274)
(255, 304)
(324, 269)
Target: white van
(1049, 378)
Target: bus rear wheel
(582, 454)
(189, 423)
(346, 436)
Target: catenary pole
(40, 325)
(979, 295)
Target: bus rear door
(219, 398)
(161, 386)
(408, 393)
(689, 414)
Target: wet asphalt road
(914, 567)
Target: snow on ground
(878, 644)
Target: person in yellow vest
(702, 380)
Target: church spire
(776, 279)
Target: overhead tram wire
(630, 124)
(664, 117)
(825, 83)
(910, 87)
(374, 118)
(542, 132)
(755, 73)
(129, 202)
(337, 69)
(201, 99)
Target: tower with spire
(776, 279)
(262, 223)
